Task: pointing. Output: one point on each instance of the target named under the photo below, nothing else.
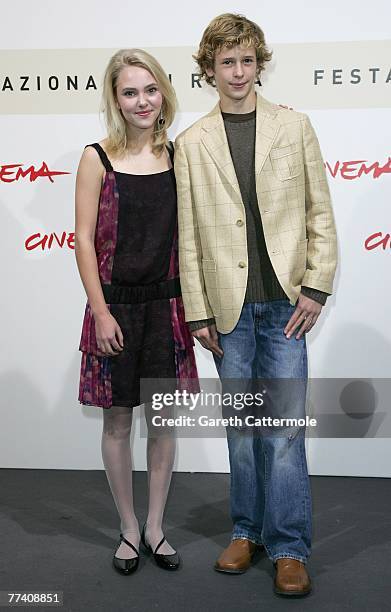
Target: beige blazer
(294, 203)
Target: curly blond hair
(229, 30)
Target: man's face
(235, 72)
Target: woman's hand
(109, 336)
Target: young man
(257, 252)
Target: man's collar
(214, 118)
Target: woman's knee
(117, 422)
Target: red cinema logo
(46, 241)
(9, 173)
(354, 169)
(378, 240)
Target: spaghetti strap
(103, 157)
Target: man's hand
(305, 316)
(207, 337)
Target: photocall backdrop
(330, 62)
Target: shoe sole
(254, 558)
(230, 571)
(292, 593)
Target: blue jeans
(270, 493)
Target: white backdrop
(43, 426)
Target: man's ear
(210, 72)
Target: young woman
(126, 251)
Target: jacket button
(239, 222)
(242, 264)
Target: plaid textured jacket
(294, 203)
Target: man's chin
(241, 94)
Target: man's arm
(195, 300)
(321, 232)
(195, 325)
(322, 239)
(315, 294)
(194, 296)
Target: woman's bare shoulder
(90, 161)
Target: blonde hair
(117, 138)
(229, 30)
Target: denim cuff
(274, 558)
(247, 536)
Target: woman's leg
(160, 460)
(117, 425)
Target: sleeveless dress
(137, 253)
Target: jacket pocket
(286, 162)
(209, 265)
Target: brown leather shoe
(291, 578)
(236, 559)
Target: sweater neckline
(239, 117)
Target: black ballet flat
(126, 566)
(167, 562)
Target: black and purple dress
(137, 254)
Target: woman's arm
(88, 187)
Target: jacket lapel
(266, 132)
(215, 140)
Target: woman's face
(138, 97)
